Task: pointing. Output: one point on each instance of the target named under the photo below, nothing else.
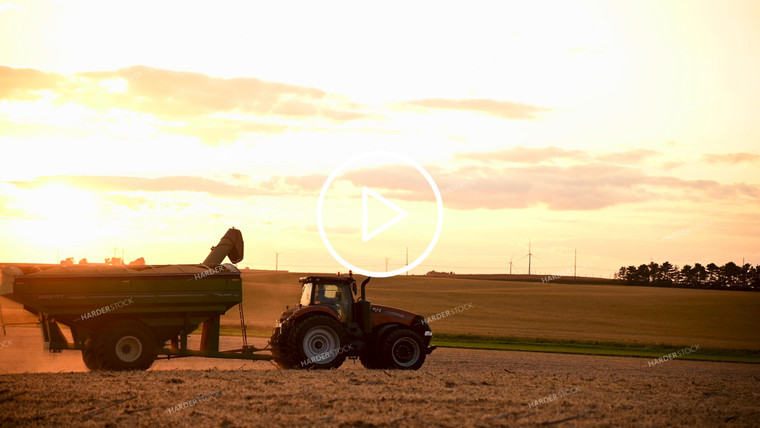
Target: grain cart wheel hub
(129, 349)
(125, 345)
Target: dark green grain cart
(123, 317)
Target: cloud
(503, 109)
(589, 186)
(179, 94)
(627, 156)
(536, 155)
(730, 158)
(241, 187)
(211, 108)
(127, 184)
(521, 154)
(24, 84)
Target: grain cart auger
(121, 317)
(328, 326)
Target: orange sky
(627, 130)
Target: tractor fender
(383, 329)
(309, 311)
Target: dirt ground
(455, 387)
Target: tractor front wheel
(402, 350)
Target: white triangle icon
(400, 214)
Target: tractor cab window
(306, 294)
(333, 296)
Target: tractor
(332, 323)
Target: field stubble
(456, 387)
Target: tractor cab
(333, 292)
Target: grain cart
(121, 317)
(328, 326)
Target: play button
(400, 213)
(380, 210)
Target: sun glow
(58, 215)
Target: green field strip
(651, 351)
(642, 350)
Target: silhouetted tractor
(328, 326)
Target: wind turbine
(529, 256)
(510, 262)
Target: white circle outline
(340, 170)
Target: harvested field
(679, 317)
(456, 387)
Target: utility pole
(575, 264)
(276, 261)
(407, 261)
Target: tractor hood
(385, 314)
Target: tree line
(729, 276)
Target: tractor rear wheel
(402, 350)
(127, 345)
(314, 343)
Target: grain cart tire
(317, 342)
(126, 345)
(90, 355)
(402, 350)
